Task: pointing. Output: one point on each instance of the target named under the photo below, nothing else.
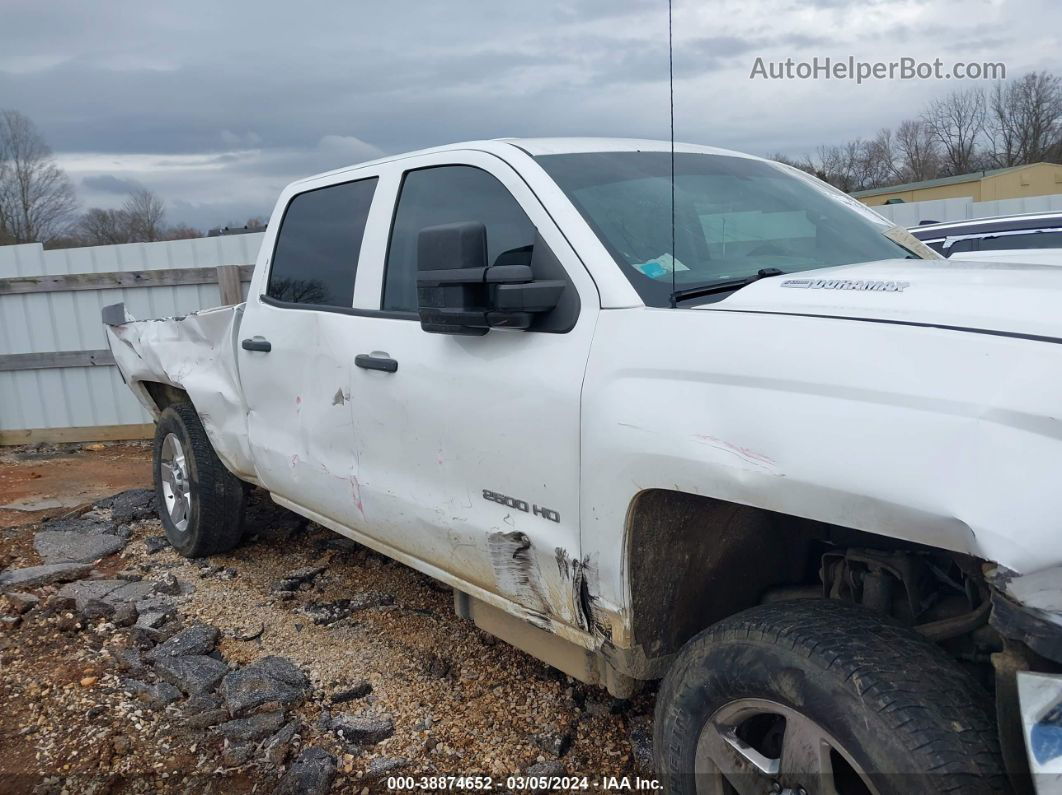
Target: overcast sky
(216, 105)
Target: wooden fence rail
(227, 276)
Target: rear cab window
(315, 259)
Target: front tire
(200, 503)
(822, 697)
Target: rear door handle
(370, 362)
(257, 344)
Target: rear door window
(316, 255)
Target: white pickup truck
(696, 417)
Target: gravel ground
(396, 682)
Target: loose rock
(253, 728)
(546, 769)
(22, 602)
(13, 579)
(383, 765)
(269, 683)
(236, 754)
(275, 749)
(157, 695)
(156, 544)
(352, 692)
(249, 633)
(293, 579)
(168, 584)
(641, 739)
(57, 546)
(194, 673)
(196, 639)
(125, 615)
(130, 506)
(363, 729)
(556, 743)
(330, 612)
(311, 773)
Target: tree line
(1013, 123)
(38, 202)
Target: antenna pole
(671, 97)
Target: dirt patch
(374, 638)
(40, 481)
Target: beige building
(1035, 179)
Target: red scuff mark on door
(355, 490)
(749, 455)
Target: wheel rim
(759, 746)
(176, 486)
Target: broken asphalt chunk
(193, 673)
(13, 579)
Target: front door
(469, 449)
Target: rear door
(468, 451)
(296, 355)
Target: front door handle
(370, 362)
(257, 344)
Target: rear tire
(200, 503)
(881, 709)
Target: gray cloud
(107, 183)
(216, 106)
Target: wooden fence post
(229, 284)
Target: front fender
(945, 438)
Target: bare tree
(98, 227)
(918, 151)
(37, 199)
(878, 161)
(182, 232)
(141, 219)
(1025, 119)
(833, 164)
(804, 165)
(145, 214)
(957, 122)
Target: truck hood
(1005, 298)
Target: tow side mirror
(459, 293)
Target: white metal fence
(913, 213)
(56, 379)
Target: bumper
(1040, 698)
(1028, 609)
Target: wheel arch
(692, 560)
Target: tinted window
(317, 249)
(1030, 240)
(959, 246)
(446, 195)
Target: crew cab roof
(545, 146)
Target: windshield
(734, 216)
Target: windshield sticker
(661, 266)
(847, 284)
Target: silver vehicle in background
(1032, 237)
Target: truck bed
(195, 353)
